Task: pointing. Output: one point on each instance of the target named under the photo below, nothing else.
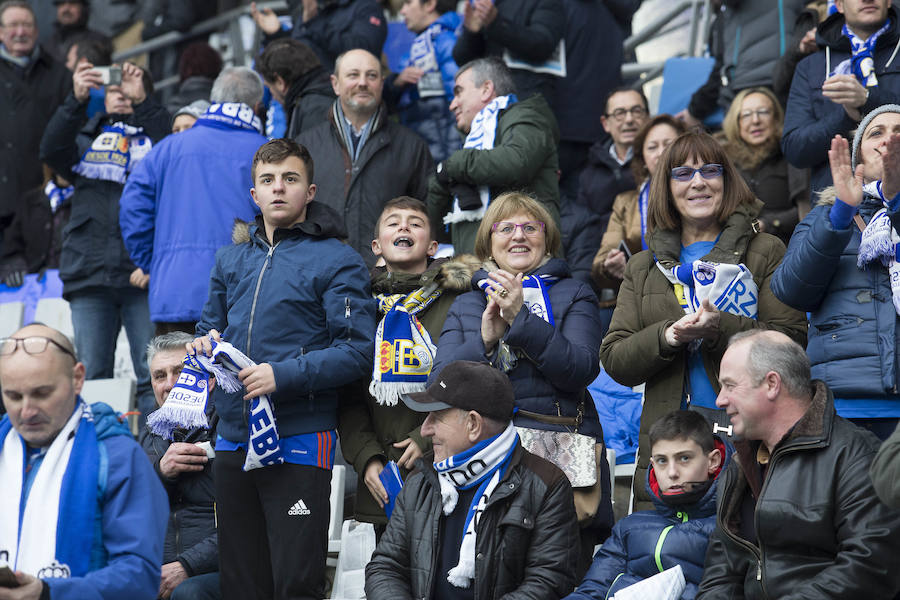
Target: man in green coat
(510, 146)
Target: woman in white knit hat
(841, 267)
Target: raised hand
(847, 184)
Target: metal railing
(665, 22)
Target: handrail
(213, 24)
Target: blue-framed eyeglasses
(709, 171)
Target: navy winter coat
(555, 363)
(303, 306)
(342, 25)
(811, 120)
(853, 334)
(529, 30)
(648, 542)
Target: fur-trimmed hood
(451, 274)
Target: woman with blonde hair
(752, 128)
(704, 278)
(529, 318)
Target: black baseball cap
(470, 386)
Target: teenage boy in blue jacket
(685, 458)
(295, 299)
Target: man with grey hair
(33, 85)
(180, 202)
(190, 566)
(797, 514)
(363, 158)
(510, 145)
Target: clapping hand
(847, 184)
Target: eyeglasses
(761, 113)
(32, 345)
(18, 25)
(636, 111)
(710, 171)
(507, 229)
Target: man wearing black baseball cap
(505, 519)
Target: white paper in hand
(667, 585)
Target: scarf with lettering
(404, 352)
(185, 406)
(880, 242)
(233, 115)
(263, 444)
(730, 288)
(423, 56)
(481, 137)
(643, 204)
(483, 465)
(114, 153)
(51, 536)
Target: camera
(111, 75)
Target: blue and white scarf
(536, 298)
(58, 196)
(346, 133)
(51, 536)
(114, 153)
(185, 406)
(404, 352)
(861, 64)
(535, 292)
(422, 56)
(263, 444)
(232, 114)
(880, 242)
(643, 207)
(481, 137)
(483, 465)
(730, 288)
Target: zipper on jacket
(347, 315)
(256, 293)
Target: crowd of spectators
(419, 274)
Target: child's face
(404, 240)
(677, 463)
(282, 191)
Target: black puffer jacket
(527, 537)
(821, 531)
(93, 253)
(191, 533)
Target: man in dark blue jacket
(295, 300)
(86, 518)
(855, 71)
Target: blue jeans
(198, 587)
(97, 316)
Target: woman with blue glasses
(704, 278)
